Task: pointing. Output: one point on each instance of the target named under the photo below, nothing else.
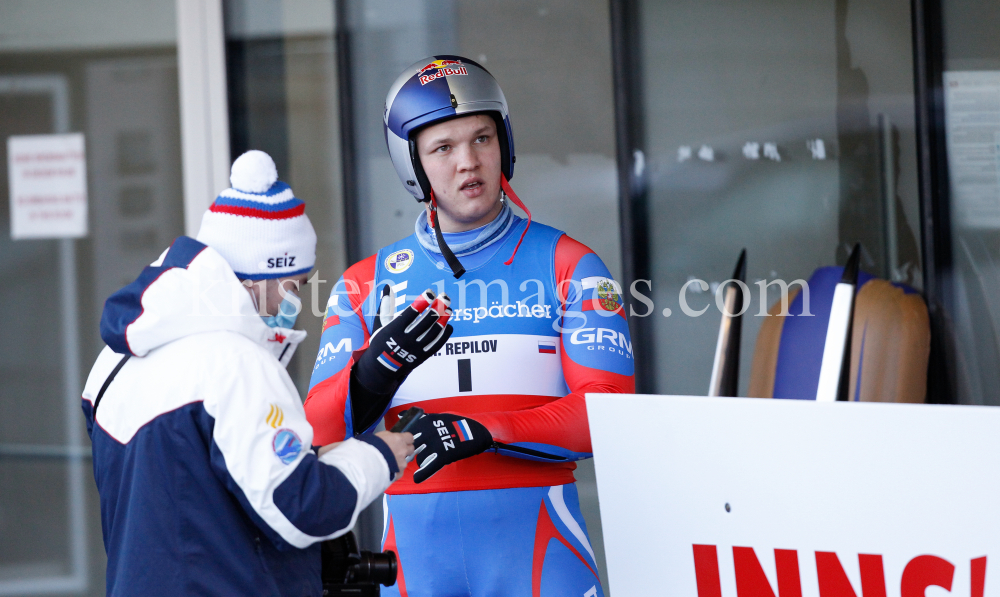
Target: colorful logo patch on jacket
(399, 261)
(286, 445)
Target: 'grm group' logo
(594, 339)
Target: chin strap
(517, 201)
(453, 262)
(456, 266)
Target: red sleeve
(327, 404)
(563, 422)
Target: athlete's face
(461, 158)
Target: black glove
(394, 350)
(441, 439)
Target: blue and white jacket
(202, 451)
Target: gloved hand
(441, 439)
(404, 343)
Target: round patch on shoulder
(399, 261)
(286, 445)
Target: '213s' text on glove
(442, 439)
(397, 347)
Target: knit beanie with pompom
(258, 225)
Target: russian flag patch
(390, 363)
(462, 430)
(547, 347)
(330, 321)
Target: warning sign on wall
(48, 186)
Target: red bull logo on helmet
(440, 64)
(441, 68)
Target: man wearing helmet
(537, 323)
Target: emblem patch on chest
(399, 261)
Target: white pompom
(253, 172)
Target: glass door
(970, 257)
(786, 128)
(281, 69)
(107, 71)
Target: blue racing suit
(532, 335)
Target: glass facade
(971, 272)
(108, 70)
(786, 129)
(282, 84)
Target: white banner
(48, 186)
(731, 497)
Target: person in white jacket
(208, 479)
